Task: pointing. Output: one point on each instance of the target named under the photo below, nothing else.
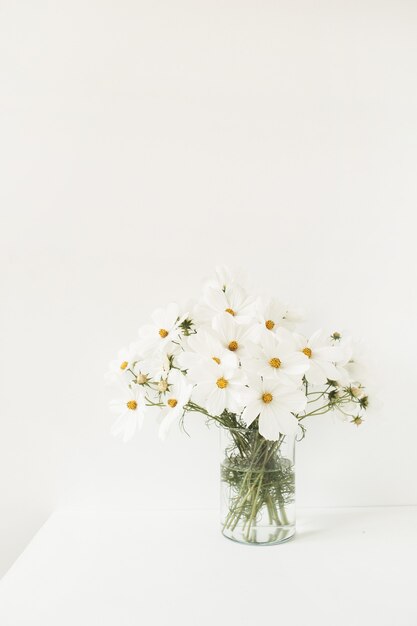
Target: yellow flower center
(307, 352)
(222, 383)
(267, 398)
(216, 359)
(172, 403)
(269, 324)
(231, 311)
(132, 405)
(275, 362)
(163, 333)
(233, 346)
(124, 365)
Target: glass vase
(257, 487)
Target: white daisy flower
(276, 356)
(233, 336)
(201, 348)
(273, 314)
(119, 367)
(233, 301)
(130, 408)
(274, 404)
(321, 357)
(175, 399)
(350, 365)
(164, 330)
(219, 388)
(226, 277)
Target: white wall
(141, 144)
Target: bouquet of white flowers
(238, 360)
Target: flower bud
(364, 402)
(357, 392)
(141, 379)
(162, 385)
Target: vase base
(263, 536)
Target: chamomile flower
(120, 369)
(273, 314)
(274, 404)
(232, 336)
(174, 401)
(233, 301)
(202, 348)
(164, 331)
(219, 388)
(235, 352)
(321, 357)
(276, 356)
(130, 408)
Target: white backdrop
(144, 142)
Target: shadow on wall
(27, 520)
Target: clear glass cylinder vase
(257, 487)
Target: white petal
(268, 425)
(201, 392)
(172, 312)
(315, 374)
(294, 401)
(316, 339)
(296, 364)
(251, 412)
(274, 422)
(158, 317)
(225, 326)
(167, 422)
(188, 360)
(328, 353)
(288, 424)
(126, 426)
(216, 402)
(329, 369)
(216, 299)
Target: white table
(346, 567)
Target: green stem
(257, 488)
